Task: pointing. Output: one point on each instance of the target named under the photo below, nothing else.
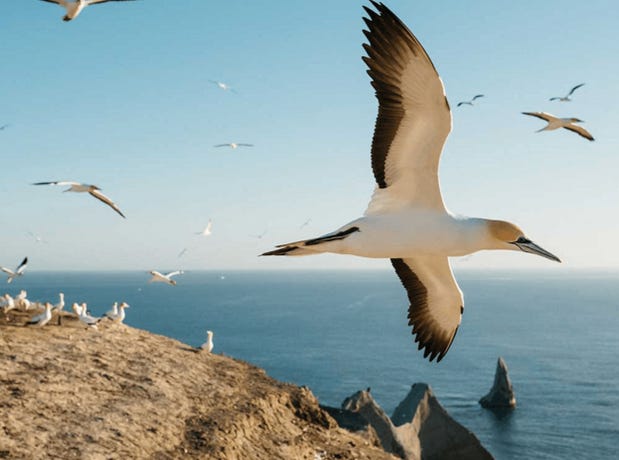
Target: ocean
(341, 331)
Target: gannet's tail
(311, 246)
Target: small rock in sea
(501, 395)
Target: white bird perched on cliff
(208, 345)
(406, 220)
(556, 123)
(234, 145)
(161, 278)
(471, 101)
(19, 271)
(87, 319)
(42, 319)
(93, 190)
(75, 8)
(119, 316)
(113, 311)
(77, 308)
(567, 97)
(208, 230)
(58, 307)
(8, 304)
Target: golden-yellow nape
(504, 231)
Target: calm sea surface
(338, 332)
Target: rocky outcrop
(501, 395)
(419, 429)
(122, 393)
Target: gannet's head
(173, 282)
(576, 120)
(209, 333)
(506, 235)
(124, 305)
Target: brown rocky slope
(120, 392)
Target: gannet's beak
(529, 246)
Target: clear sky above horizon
(121, 98)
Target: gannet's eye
(522, 240)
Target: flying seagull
(556, 123)
(161, 278)
(81, 188)
(406, 220)
(471, 101)
(76, 7)
(234, 145)
(3, 127)
(19, 271)
(182, 253)
(223, 86)
(567, 98)
(208, 230)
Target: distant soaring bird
(3, 127)
(406, 220)
(161, 278)
(208, 230)
(471, 101)
(567, 98)
(19, 271)
(556, 123)
(182, 253)
(223, 86)
(75, 8)
(234, 145)
(81, 188)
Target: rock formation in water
(420, 428)
(501, 395)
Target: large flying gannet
(76, 7)
(406, 220)
(556, 123)
(93, 190)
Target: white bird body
(19, 271)
(119, 315)
(208, 345)
(87, 319)
(74, 8)
(42, 319)
(8, 303)
(567, 98)
(406, 220)
(161, 278)
(93, 190)
(60, 305)
(77, 309)
(208, 230)
(113, 311)
(427, 233)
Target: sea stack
(501, 395)
(420, 428)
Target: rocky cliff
(120, 393)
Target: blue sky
(120, 98)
